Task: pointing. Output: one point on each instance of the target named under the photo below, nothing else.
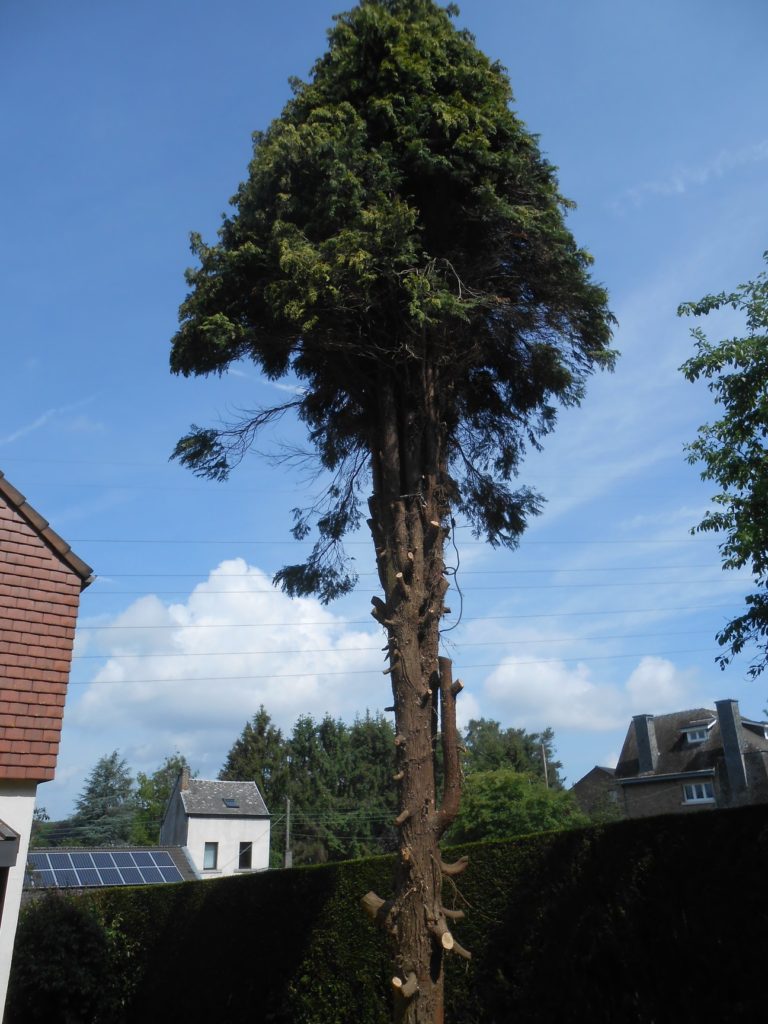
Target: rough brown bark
(409, 516)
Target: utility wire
(345, 650)
(368, 672)
(465, 572)
(468, 590)
(358, 622)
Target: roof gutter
(671, 777)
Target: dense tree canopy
(397, 219)
(489, 747)
(399, 247)
(503, 802)
(337, 776)
(105, 808)
(734, 452)
(151, 799)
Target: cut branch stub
(451, 870)
(453, 915)
(408, 987)
(440, 930)
(456, 688)
(376, 908)
(399, 740)
(379, 611)
(460, 951)
(398, 776)
(402, 817)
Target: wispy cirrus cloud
(42, 420)
(683, 179)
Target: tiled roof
(16, 500)
(206, 797)
(676, 754)
(40, 584)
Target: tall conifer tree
(400, 247)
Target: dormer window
(697, 732)
(695, 735)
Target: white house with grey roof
(223, 826)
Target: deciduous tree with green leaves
(400, 249)
(734, 452)
(501, 803)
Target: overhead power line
(359, 622)
(345, 650)
(166, 541)
(373, 671)
(467, 590)
(464, 572)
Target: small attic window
(230, 802)
(697, 732)
(695, 735)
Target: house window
(698, 793)
(230, 802)
(696, 735)
(211, 856)
(244, 861)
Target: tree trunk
(409, 515)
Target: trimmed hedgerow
(645, 921)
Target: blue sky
(127, 126)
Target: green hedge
(646, 921)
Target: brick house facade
(686, 762)
(41, 580)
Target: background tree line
(338, 779)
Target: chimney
(730, 732)
(184, 783)
(647, 747)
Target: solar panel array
(83, 869)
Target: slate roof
(676, 754)
(204, 797)
(7, 834)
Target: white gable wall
(17, 802)
(173, 831)
(229, 833)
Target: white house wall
(17, 804)
(228, 833)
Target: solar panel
(82, 860)
(82, 869)
(132, 876)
